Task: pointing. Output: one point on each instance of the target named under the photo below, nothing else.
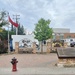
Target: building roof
(61, 30)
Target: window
(68, 36)
(61, 37)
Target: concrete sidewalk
(38, 71)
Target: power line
(16, 17)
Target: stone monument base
(66, 63)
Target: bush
(3, 48)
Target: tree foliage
(42, 30)
(2, 18)
(20, 30)
(4, 34)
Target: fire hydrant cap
(14, 58)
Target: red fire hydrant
(14, 64)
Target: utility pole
(16, 17)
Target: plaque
(66, 52)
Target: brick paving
(29, 60)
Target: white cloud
(60, 12)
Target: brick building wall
(69, 35)
(59, 36)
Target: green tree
(42, 31)
(20, 30)
(2, 18)
(4, 33)
(3, 22)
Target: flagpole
(8, 35)
(8, 41)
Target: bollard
(14, 64)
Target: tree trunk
(41, 47)
(51, 43)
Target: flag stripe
(13, 23)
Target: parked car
(72, 44)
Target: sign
(66, 52)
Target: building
(62, 33)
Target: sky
(60, 12)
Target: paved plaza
(33, 64)
(29, 60)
